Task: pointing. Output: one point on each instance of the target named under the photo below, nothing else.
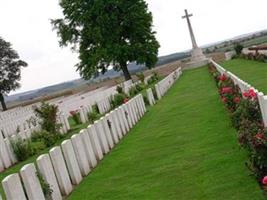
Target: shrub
(146, 100)
(133, 91)
(250, 56)
(36, 136)
(139, 87)
(47, 190)
(48, 116)
(92, 116)
(118, 100)
(260, 57)
(95, 108)
(242, 55)
(238, 48)
(48, 139)
(154, 78)
(141, 77)
(76, 117)
(247, 119)
(119, 89)
(22, 148)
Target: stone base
(198, 59)
(197, 55)
(195, 64)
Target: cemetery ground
(75, 128)
(253, 72)
(184, 148)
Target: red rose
(226, 90)
(72, 112)
(252, 93)
(264, 180)
(236, 100)
(223, 77)
(245, 94)
(224, 99)
(259, 136)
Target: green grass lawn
(184, 148)
(253, 72)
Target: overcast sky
(25, 23)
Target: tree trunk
(2, 100)
(126, 72)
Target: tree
(107, 33)
(10, 67)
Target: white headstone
(80, 154)
(107, 133)
(112, 128)
(101, 136)
(88, 148)
(71, 161)
(95, 142)
(158, 91)
(121, 121)
(132, 111)
(31, 182)
(46, 170)
(150, 97)
(4, 153)
(125, 121)
(61, 171)
(117, 124)
(13, 187)
(129, 115)
(82, 116)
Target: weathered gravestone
(31, 182)
(80, 154)
(46, 170)
(61, 171)
(13, 187)
(95, 142)
(88, 148)
(71, 161)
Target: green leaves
(107, 33)
(10, 66)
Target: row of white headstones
(244, 86)
(83, 106)
(65, 166)
(19, 120)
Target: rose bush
(246, 117)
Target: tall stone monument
(197, 59)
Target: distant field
(248, 43)
(253, 72)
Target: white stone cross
(187, 16)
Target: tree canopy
(107, 33)
(10, 69)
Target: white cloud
(26, 25)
